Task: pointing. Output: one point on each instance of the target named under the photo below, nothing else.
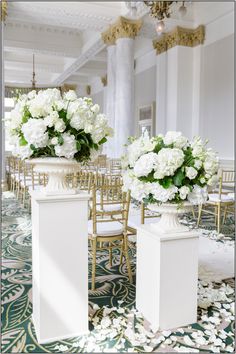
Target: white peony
(70, 95)
(68, 148)
(162, 194)
(60, 126)
(168, 161)
(35, 132)
(198, 195)
(183, 192)
(175, 138)
(191, 172)
(145, 164)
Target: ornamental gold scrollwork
(122, 28)
(180, 36)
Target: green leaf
(26, 116)
(33, 147)
(78, 146)
(23, 142)
(60, 140)
(166, 182)
(178, 178)
(102, 141)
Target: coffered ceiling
(66, 37)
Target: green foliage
(166, 182)
(22, 141)
(178, 178)
(149, 178)
(60, 140)
(26, 116)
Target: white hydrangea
(197, 164)
(51, 119)
(211, 163)
(70, 95)
(212, 182)
(15, 119)
(176, 138)
(42, 104)
(138, 147)
(95, 109)
(68, 148)
(198, 195)
(191, 172)
(22, 152)
(198, 148)
(139, 190)
(145, 164)
(183, 192)
(128, 178)
(168, 161)
(34, 131)
(100, 128)
(162, 194)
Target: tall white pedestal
(60, 265)
(167, 277)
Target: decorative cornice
(3, 10)
(104, 80)
(180, 36)
(122, 28)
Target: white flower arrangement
(47, 124)
(169, 168)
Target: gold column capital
(122, 28)
(3, 10)
(186, 37)
(67, 87)
(104, 80)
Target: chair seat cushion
(109, 207)
(113, 228)
(224, 198)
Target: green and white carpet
(114, 323)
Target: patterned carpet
(114, 323)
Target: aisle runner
(115, 327)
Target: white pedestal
(167, 277)
(60, 265)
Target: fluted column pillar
(122, 33)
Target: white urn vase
(169, 222)
(57, 169)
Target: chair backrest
(110, 203)
(146, 213)
(226, 180)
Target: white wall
(216, 121)
(144, 90)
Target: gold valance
(180, 36)
(122, 28)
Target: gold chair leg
(225, 213)
(121, 253)
(199, 214)
(193, 212)
(127, 259)
(94, 251)
(216, 211)
(218, 219)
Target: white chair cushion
(231, 195)
(134, 221)
(224, 198)
(113, 228)
(109, 207)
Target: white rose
(176, 138)
(54, 141)
(77, 122)
(183, 192)
(211, 163)
(212, 182)
(145, 164)
(198, 149)
(202, 180)
(95, 108)
(60, 126)
(191, 172)
(197, 164)
(68, 148)
(70, 95)
(59, 105)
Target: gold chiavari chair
(108, 228)
(220, 200)
(115, 166)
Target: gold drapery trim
(180, 36)
(122, 28)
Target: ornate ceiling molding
(180, 36)
(122, 28)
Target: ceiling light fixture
(161, 10)
(33, 75)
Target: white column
(124, 110)
(60, 265)
(161, 87)
(197, 52)
(3, 161)
(110, 95)
(167, 277)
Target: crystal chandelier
(161, 10)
